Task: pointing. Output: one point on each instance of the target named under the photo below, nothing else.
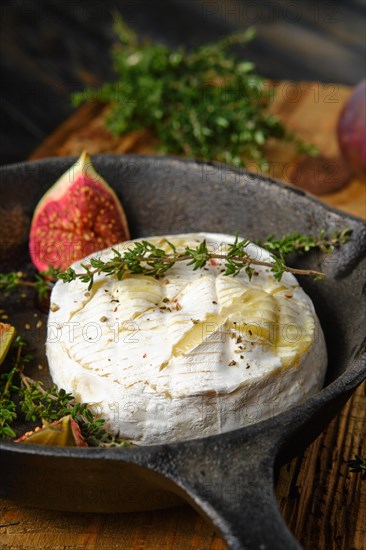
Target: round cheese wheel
(189, 354)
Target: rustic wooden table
(322, 502)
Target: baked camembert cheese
(190, 354)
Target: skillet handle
(234, 489)
(246, 513)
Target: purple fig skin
(352, 131)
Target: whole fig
(352, 131)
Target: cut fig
(7, 333)
(62, 433)
(78, 215)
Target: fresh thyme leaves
(144, 258)
(205, 103)
(299, 244)
(9, 385)
(11, 281)
(42, 282)
(53, 404)
(358, 465)
(294, 242)
(36, 403)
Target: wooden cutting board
(323, 503)
(310, 110)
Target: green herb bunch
(205, 103)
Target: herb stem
(9, 382)
(42, 284)
(29, 382)
(288, 269)
(18, 367)
(144, 258)
(246, 259)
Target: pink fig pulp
(78, 215)
(62, 433)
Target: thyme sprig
(52, 404)
(144, 258)
(35, 403)
(9, 385)
(295, 242)
(205, 103)
(42, 282)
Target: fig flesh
(61, 433)
(78, 215)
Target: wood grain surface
(322, 502)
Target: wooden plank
(86, 130)
(321, 501)
(178, 529)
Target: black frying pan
(229, 477)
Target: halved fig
(61, 433)
(78, 215)
(7, 333)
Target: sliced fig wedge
(7, 333)
(62, 433)
(78, 215)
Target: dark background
(50, 48)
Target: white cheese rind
(192, 354)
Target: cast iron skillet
(229, 477)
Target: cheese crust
(191, 354)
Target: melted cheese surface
(193, 353)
